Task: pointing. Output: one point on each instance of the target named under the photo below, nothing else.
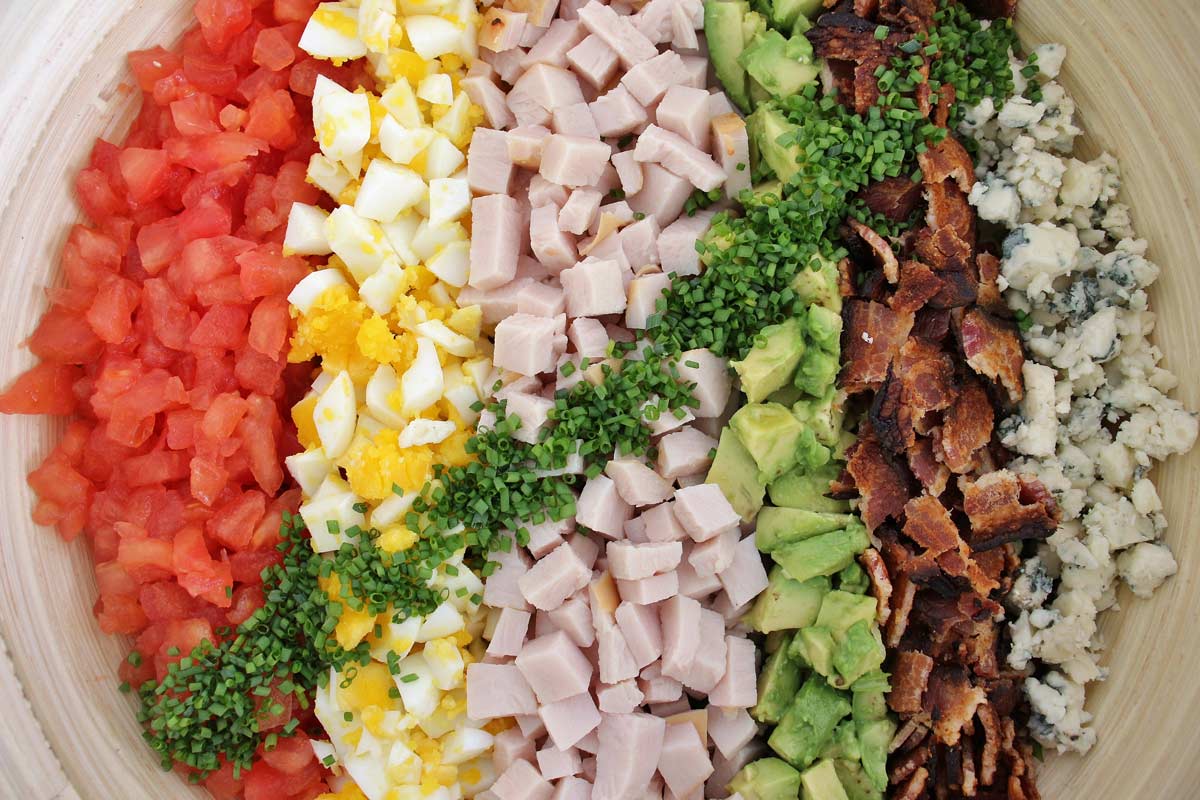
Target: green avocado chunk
(815, 646)
(821, 782)
(777, 685)
(772, 362)
(845, 742)
(787, 604)
(778, 526)
(772, 436)
(817, 372)
(820, 414)
(808, 725)
(765, 127)
(855, 781)
(841, 610)
(824, 326)
(817, 284)
(767, 779)
(723, 30)
(735, 471)
(859, 652)
(786, 13)
(781, 66)
(874, 738)
(823, 554)
(854, 579)
(807, 489)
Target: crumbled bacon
(927, 376)
(884, 257)
(894, 198)
(993, 348)
(951, 701)
(910, 678)
(890, 418)
(932, 474)
(948, 160)
(990, 753)
(988, 267)
(904, 595)
(914, 15)
(847, 41)
(950, 215)
(1006, 508)
(918, 285)
(915, 787)
(883, 484)
(946, 97)
(881, 584)
(871, 338)
(967, 429)
(928, 523)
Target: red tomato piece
(65, 338)
(269, 326)
(222, 20)
(150, 65)
(111, 314)
(144, 172)
(145, 559)
(290, 755)
(46, 388)
(274, 49)
(246, 600)
(195, 115)
(223, 326)
(234, 523)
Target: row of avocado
(821, 688)
(758, 50)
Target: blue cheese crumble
(1097, 413)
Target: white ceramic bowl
(65, 732)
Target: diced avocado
(776, 639)
(823, 554)
(859, 652)
(855, 781)
(754, 25)
(874, 681)
(821, 414)
(777, 685)
(766, 779)
(772, 361)
(723, 30)
(809, 723)
(786, 13)
(768, 192)
(781, 66)
(781, 526)
(758, 93)
(803, 25)
(824, 326)
(840, 610)
(765, 127)
(771, 435)
(817, 371)
(787, 604)
(816, 646)
(869, 706)
(853, 579)
(817, 284)
(788, 394)
(810, 453)
(735, 471)
(844, 743)
(800, 489)
(845, 440)
(874, 739)
(821, 782)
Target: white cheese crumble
(1097, 412)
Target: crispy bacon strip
(918, 285)
(951, 701)
(894, 198)
(1006, 508)
(948, 160)
(990, 754)
(910, 678)
(928, 523)
(988, 267)
(884, 256)
(882, 483)
(915, 787)
(904, 595)
(993, 349)
(928, 377)
(871, 338)
(890, 418)
(881, 584)
(933, 474)
(967, 429)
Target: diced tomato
(46, 388)
(195, 115)
(248, 565)
(164, 601)
(158, 243)
(150, 65)
(65, 338)
(274, 48)
(181, 637)
(144, 173)
(111, 314)
(264, 782)
(222, 20)
(222, 784)
(207, 480)
(120, 613)
(234, 523)
(198, 572)
(134, 412)
(266, 271)
(97, 196)
(233, 118)
(155, 467)
(145, 559)
(246, 600)
(291, 754)
(207, 153)
(208, 217)
(294, 10)
(275, 710)
(221, 326)
(269, 326)
(272, 118)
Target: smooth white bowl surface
(65, 732)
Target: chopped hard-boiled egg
(401, 377)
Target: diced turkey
(497, 690)
(594, 287)
(684, 110)
(630, 747)
(554, 668)
(495, 240)
(553, 579)
(525, 344)
(661, 146)
(573, 161)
